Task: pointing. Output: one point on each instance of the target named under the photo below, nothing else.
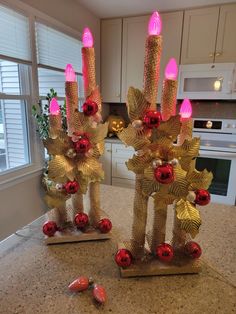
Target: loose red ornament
(105, 225)
(123, 258)
(193, 249)
(90, 108)
(164, 174)
(82, 146)
(79, 284)
(203, 197)
(49, 228)
(165, 252)
(152, 119)
(81, 220)
(99, 294)
(71, 187)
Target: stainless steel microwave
(207, 81)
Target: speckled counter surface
(34, 277)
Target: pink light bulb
(155, 24)
(186, 109)
(70, 73)
(87, 38)
(171, 70)
(54, 108)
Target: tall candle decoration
(153, 50)
(169, 91)
(54, 118)
(88, 58)
(72, 98)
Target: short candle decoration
(54, 118)
(169, 90)
(152, 59)
(186, 120)
(72, 98)
(88, 60)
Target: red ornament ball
(152, 119)
(203, 197)
(71, 187)
(165, 252)
(81, 220)
(123, 258)
(164, 174)
(82, 146)
(193, 249)
(50, 228)
(104, 225)
(90, 108)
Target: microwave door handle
(233, 83)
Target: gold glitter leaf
(99, 133)
(200, 179)
(179, 188)
(138, 163)
(149, 186)
(149, 173)
(131, 137)
(189, 217)
(170, 128)
(136, 104)
(98, 150)
(161, 200)
(59, 145)
(53, 202)
(59, 166)
(90, 168)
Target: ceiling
(115, 8)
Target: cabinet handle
(109, 150)
(218, 54)
(211, 55)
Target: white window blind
(56, 49)
(14, 35)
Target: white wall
(20, 203)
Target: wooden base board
(153, 267)
(75, 235)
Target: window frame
(36, 150)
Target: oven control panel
(215, 125)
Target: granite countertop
(34, 277)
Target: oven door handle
(213, 153)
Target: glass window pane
(13, 134)
(14, 78)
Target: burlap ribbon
(89, 74)
(168, 101)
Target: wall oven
(207, 81)
(218, 154)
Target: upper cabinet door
(171, 45)
(199, 35)
(134, 37)
(111, 31)
(226, 41)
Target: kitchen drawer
(121, 151)
(119, 169)
(125, 183)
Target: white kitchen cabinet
(208, 35)
(106, 160)
(226, 39)
(111, 31)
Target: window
(14, 89)
(54, 50)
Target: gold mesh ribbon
(168, 101)
(77, 203)
(159, 227)
(89, 76)
(152, 68)
(71, 105)
(186, 131)
(139, 220)
(95, 213)
(54, 125)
